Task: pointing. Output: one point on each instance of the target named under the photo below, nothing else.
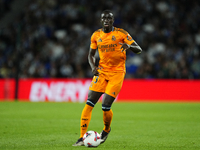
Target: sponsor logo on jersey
(107, 46)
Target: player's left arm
(134, 47)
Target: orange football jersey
(111, 57)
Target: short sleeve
(126, 36)
(93, 44)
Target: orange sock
(107, 119)
(85, 119)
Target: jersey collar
(113, 28)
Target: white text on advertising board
(60, 91)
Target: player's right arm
(91, 59)
(92, 51)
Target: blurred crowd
(4, 7)
(51, 39)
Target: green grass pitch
(135, 126)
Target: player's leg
(96, 89)
(107, 115)
(93, 97)
(112, 90)
(107, 112)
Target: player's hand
(124, 46)
(95, 71)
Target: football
(91, 139)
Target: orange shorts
(108, 82)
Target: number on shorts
(96, 79)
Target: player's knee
(91, 102)
(106, 107)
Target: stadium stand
(50, 39)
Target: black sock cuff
(106, 107)
(90, 103)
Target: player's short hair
(107, 11)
